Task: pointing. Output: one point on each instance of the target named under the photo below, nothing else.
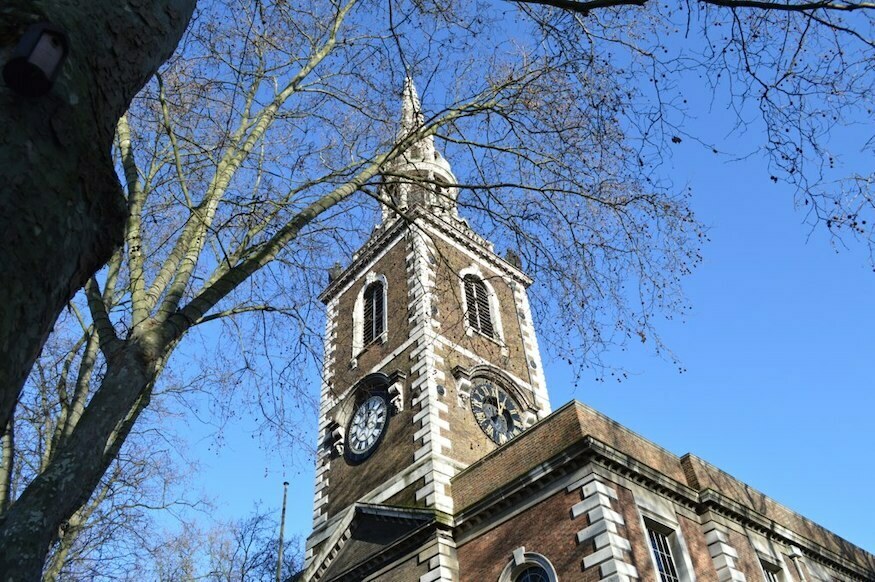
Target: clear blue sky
(778, 352)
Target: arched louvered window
(477, 304)
(374, 309)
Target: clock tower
(439, 458)
(431, 360)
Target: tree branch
(583, 7)
(791, 7)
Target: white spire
(411, 120)
(431, 179)
(411, 109)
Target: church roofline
(372, 247)
(569, 439)
(420, 523)
(482, 249)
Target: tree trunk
(31, 524)
(65, 544)
(62, 211)
(7, 444)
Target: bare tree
(794, 76)
(240, 550)
(248, 549)
(251, 162)
(105, 534)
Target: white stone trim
(463, 391)
(520, 559)
(723, 554)
(798, 558)
(818, 572)
(327, 401)
(486, 254)
(661, 512)
(531, 350)
(389, 245)
(316, 565)
(768, 552)
(430, 438)
(611, 547)
(443, 563)
(414, 337)
(656, 507)
(452, 346)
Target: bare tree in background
(241, 550)
(250, 165)
(248, 548)
(795, 76)
(106, 535)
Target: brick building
(439, 456)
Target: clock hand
(498, 403)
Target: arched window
(528, 567)
(373, 312)
(532, 573)
(369, 316)
(477, 306)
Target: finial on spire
(411, 109)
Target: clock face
(496, 412)
(366, 428)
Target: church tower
(439, 459)
(431, 360)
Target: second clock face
(496, 412)
(366, 428)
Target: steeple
(411, 110)
(419, 176)
(431, 363)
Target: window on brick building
(528, 567)
(533, 573)
(661, 545)
(772, 572)
(374, 312)
(477, 308)
(369, 316)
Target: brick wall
(470, 443)
(573, 422)
(347, 483)
(697, 548)
(448, 290)
(392, 266)
(747, 560)
(547, 439)
(546, 528)
(634, 532)
(533, 447)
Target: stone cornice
(376, 244)
(584, 448)
(455, 230)
(468, 239)
(427, 518)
